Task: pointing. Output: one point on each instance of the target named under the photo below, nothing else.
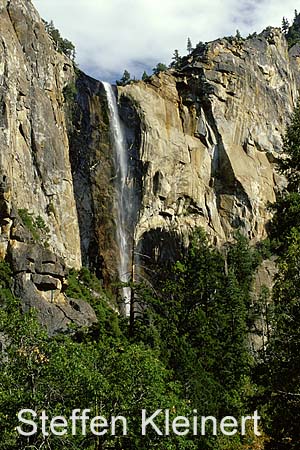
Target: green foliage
(85, 285)
(286, 216)
(287, 207)
(176, 60)
(243, 261)
(70, 92)
(281, 367)
(61, 45)
(189, 350)
(201, 46)
(252, 35)
(189, 46)
(145, 76)
(160, 67)
(36, 225)
(279, 373)
(292, 33)
(198, 321)
(285, 25)
(108, 375)
(126, 79)
(264, 249)
(238, 35)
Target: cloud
(111, 35)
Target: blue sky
(113, 35)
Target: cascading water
(123, 198)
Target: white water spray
(122, 200)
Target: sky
(113, 35)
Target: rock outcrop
(210, 135)
(34, 148)
(40, 279)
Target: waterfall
(123, 194)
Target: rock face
(202, 145)
(93, 176)
(35, 170)
(40, 282)
(209, 137)
(34, 143)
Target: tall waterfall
(123, 198)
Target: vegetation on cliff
(292, 32)
(61, 44)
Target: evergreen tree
(282, 366)
(160, 67)
(176, 60)
(238, 34)
(145, 76)
(292, 33)
(189, 45)
(285, 25)
(125, 79)
(61, 45)
(199, 323)
(108, 374)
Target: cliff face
(202, 146)
(39, 231)
(209, 138)
(34, 144)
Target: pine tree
(238, 34)
(61, 45)
(189, 46)
(285, 25)
(160, 67)
(176, 60)
(145, 76)
(293, 32)
(125, 79)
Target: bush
(37, 226)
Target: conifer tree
(285, 25)
(160, 67)
(125, 79)
(176, 60)
(189, 46)
(238, 34)
(145, 76)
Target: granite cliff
(209, 136)
(35, 169)
(202, 143)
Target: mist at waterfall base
(122, 199)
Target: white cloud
(111, 35)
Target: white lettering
(27, 422)
(149, 421)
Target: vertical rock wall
(210, 137)
(34, 150)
